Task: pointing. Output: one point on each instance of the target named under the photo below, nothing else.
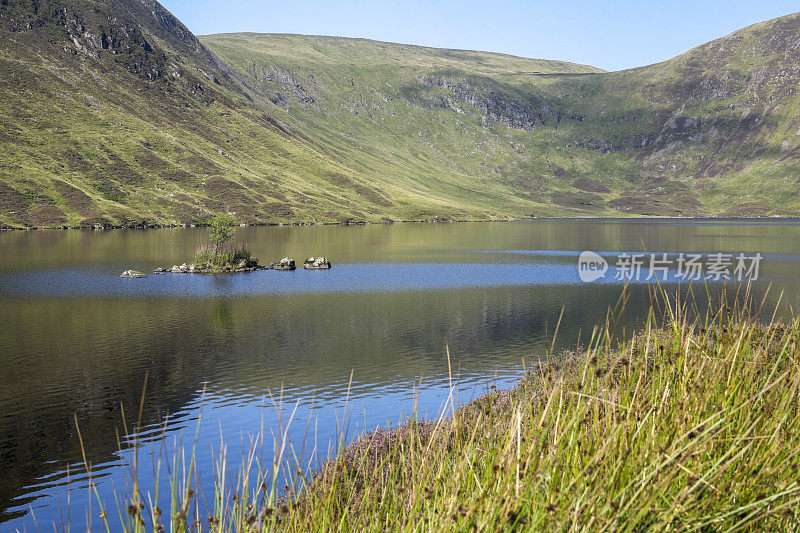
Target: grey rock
(284, 264)
(133, 274)
(316, 263)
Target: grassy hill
(114, 113)
(711, 132)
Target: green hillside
(712, 132)
(113, 113)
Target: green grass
(690, 424)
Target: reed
(220, 256)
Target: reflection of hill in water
(70, 356)
(79, 357)
(395, 243)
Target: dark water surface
(76, 341)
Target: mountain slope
(114, 113)
(715, 130)
(413, 122)
(711, 132)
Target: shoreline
(686, 220)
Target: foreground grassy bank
(690, 424)
(683, 427)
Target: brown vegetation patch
(47, 216)
(75, 161)
(185, 198)
(176, 174)
(749, 209)
(264, 190)
(13, 202)
(277, 209)
(658, 197)
(165, 169)
(202, 164)
(75, 199)
(109, 189)
(530, 183)
(129, 218)
(338, 178)
(247, 217)
(251, 184)
(590, 185)
(6, 137)
(577, 200)
(716, 170)
(373, 196)
(226, 194)
(121, 171)
(96, 221)
(277, 195)
(147, 159)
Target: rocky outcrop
(208, 268)
(511, 111)
(286, 263)
(291, 86)
(316, 263)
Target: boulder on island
(317, 263)
(284, 264)
(133, 274)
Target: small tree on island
(217, 254)
(220, 231)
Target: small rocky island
(286, 264)
(218, 256)
(208, 268)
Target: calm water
(77, 341)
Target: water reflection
(76, 339)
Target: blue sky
(607, 34)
